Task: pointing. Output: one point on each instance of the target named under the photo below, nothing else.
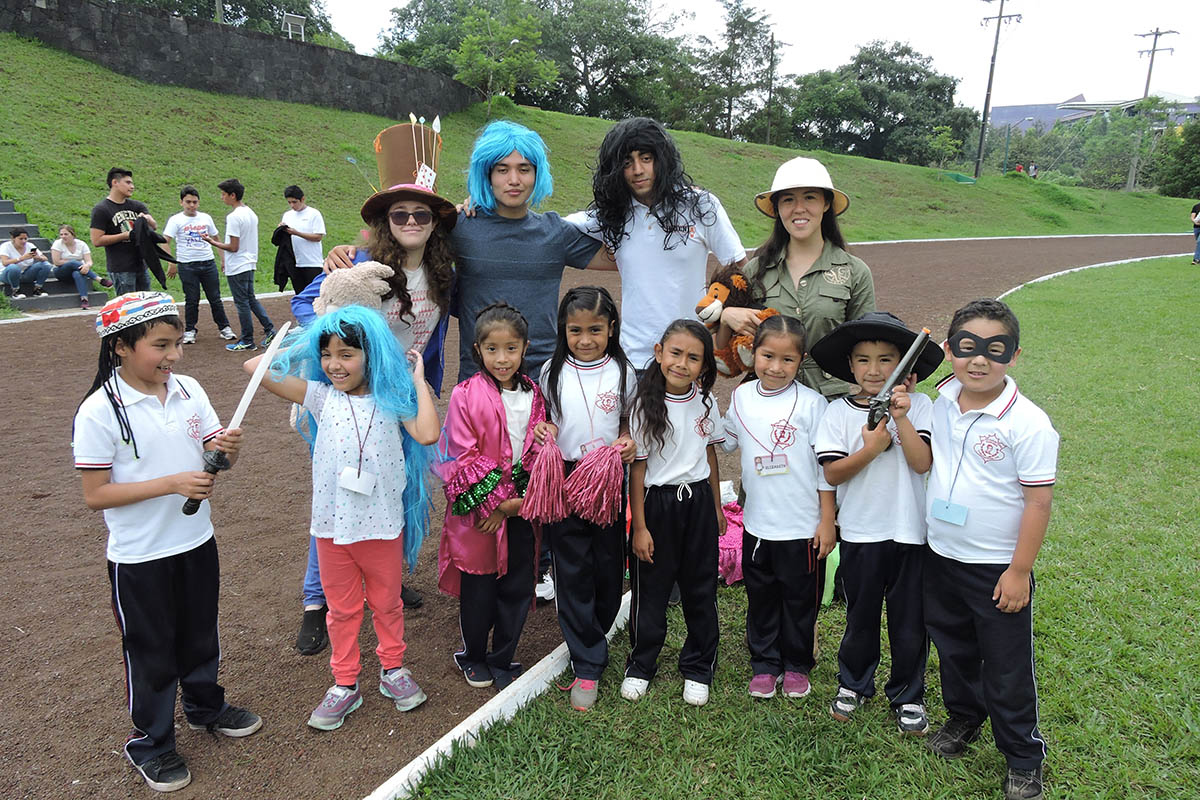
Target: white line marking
(1089, 266)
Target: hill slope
(76, 119)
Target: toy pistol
(878, 405)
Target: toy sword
(878, 405)
(216, 460)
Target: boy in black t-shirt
(111, 228)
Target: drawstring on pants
(680, 489)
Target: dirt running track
(64, 722)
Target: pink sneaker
(795, 684)
(763, 685)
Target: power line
(987, 100)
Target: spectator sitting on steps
(18, 256)
(72, 261)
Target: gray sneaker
(165, 773)
(583, 694)
(845, 704)
(398, 684)
(227, 333)
(233, 722)
(1023, 784)
(912, 719)
(335, 706)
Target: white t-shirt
(784, 422)
(170, 438)
(981, 460)
(518, 405)
(242, 223)
(659, 286)
(413, 331)
(77, 254)
(589, 404)
(886, 500)
(683, 458)
(9, 251)
(337, 512)
(308, 220)
(188, 233)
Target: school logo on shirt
(838, 276)
(193, 426)
(691, 231)
(704, 426)
(783, 434)
(990, 448)
(607, 401)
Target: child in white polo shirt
(879, 475)
(988, 503)
(139, 439)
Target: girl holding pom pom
(488, 552)
(589, 386)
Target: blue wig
(390, 383)
(496, 142)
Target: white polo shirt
(780, 507)
(885, 501)
(683, 457)
(981, 460)
(307, 220)
(242, 223)
(170, 438)
(188, 233)
(589, 402)
(659, 286)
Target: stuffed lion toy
(730, 288)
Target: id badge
(946, 511)
(588, 447)
(358, 482)
(766, 466)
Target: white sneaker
(695, 693)
(227, 333)
(18, 296)
(545, 588)
(634, 688)
(189, 337)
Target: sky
(1051, 55)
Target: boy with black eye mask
(988, 502)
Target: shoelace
(911, 708)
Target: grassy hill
(69, 120)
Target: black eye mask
(982, 347)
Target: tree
(740, 65)
(265, 16)
(498, 52)
(943, 146)
(425, 33)
(1179, 167)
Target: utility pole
(220, 15)
(770, 87)
(1001, 17)
(1131, 179)
(1154, 48)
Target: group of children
(807, 467)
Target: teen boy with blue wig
(505, 250)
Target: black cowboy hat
(832, 353)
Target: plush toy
(363, 284)
(730, 289)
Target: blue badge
(946, 511)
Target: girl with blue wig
(372, 421)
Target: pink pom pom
(545, 501)
(594, 488)
(729, 546)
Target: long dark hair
(438, 260)
(777, 241)
(106, 369)
(677, 203)
(651, 400)
(490, 317)
(597, 300)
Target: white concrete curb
(504, 705)
(1003, 238)
(1090, 266)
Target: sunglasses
(402, 217)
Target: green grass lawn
(1116, 611)
(77, 119)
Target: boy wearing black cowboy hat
(879, 475)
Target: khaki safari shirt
(837, 287)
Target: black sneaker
(1023, 784)
(312, 637)
(950, 740)
(234, 722)
(411, 597)
(478, 676)
(504, 678)
(165, 773)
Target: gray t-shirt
(520, 262)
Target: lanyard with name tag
(773, 463)
(353, 478)
(595, 441)
(944, 510)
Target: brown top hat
(400, 153)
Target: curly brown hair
(439, 261)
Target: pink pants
(345, 569)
